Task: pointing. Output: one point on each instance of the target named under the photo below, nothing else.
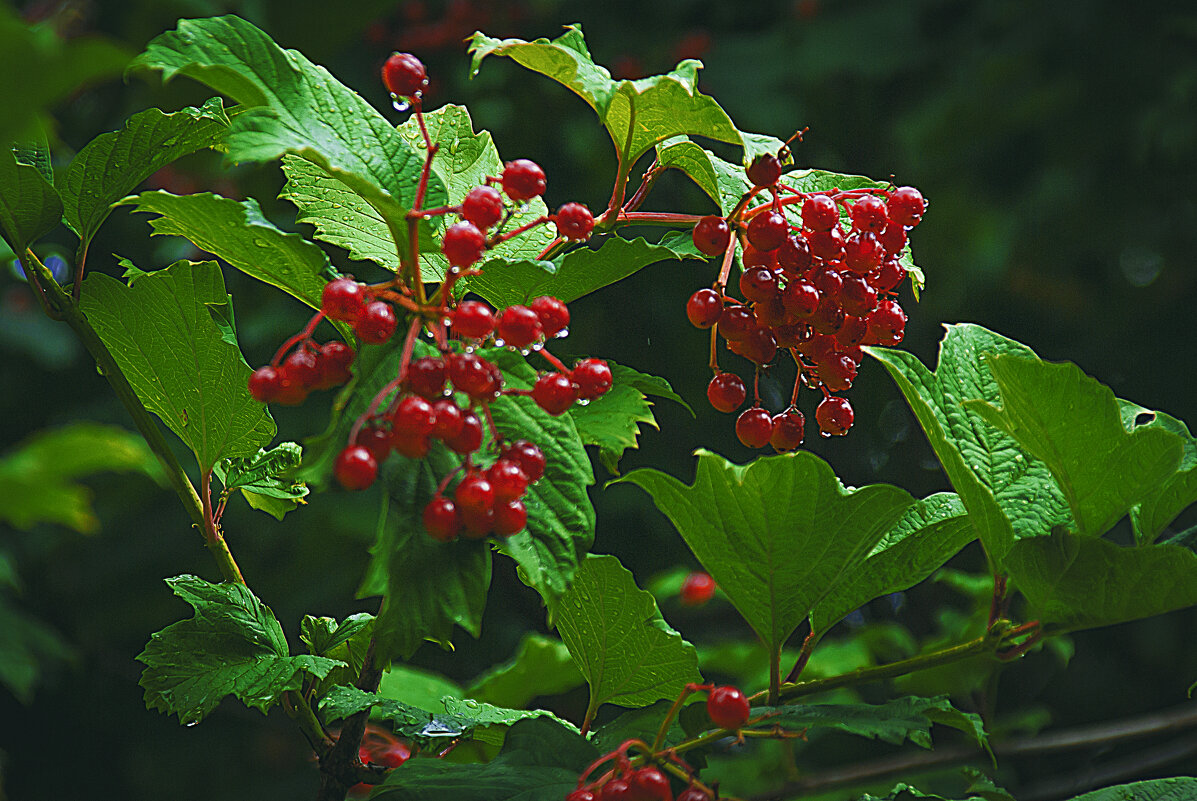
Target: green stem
(775, 676)
(591, 708)
(607, 221)
(212, 536)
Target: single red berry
(574, 221)
(887, 324)
(463, 244)
(828, 280)
(826, 245)
(704, 308)
(758, 284)
(403, 74)
(469, 438)
(736, 322)
(477, 522)
(472, 374)
(393, 755)
(303, 368)
(519, 326)
(772, 313)
(334, 359)
(794, 255)
(473, 319)
(508, 480)
(754, 427)
(863, 252)
(893, 239)
(529, 457)
(651, 784)
(828, 317)
(553, 315)
(887, 277)
(760, 346)
(906, 206)
(413, 416)
(787, 430)
(265, 384)
(856, 296)
(764, 170)
(474, 493)
(411, 445)
(483, 206)
(375, 439)
(727, 707)
(510, 518)
(800, 298)
(767, 230)
(697, 589)
(355, 468)
(791, 335)
(441, 520)
(377, 323)
(554, 392)
(343, 299)
(712, 235)
(853, 331)
(449, 419)
(291, 391)
(838, 373)
(580, 795)
(869, 214)
(522, 179)
(426, 377)
(834, 416)
(617, 790)
(819, 213)
(693, 794)
(592, 378)
(726, 392)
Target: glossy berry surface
(554, 392)
(758, 284)
(712, 235)
(704, 308)
(697, 589)
(510, 518)
(426, 377)
(528, 456)
(726, 392)
(343, 299)
(906, 206)
(764, 170)
(469, 438)
(617, 790)
(651, 784)
(403, 74)
(473, 319)
(508, 479)
(728, 707)
(355, 468)
(519, 326)
(787, 430)
(592, 378)
(819, 213)
(463, 244)
(449, 419)
(441, 520)
(376, 324)
(553, 314)
(375, 439)
(834, 416)
(869, 214)
(474, 494)
(574, 221)
(580, 795)
(334, 359)
(754, 427)
(483, 206)
(413, 416)
(693, 794)
(523, 179)
(265, 384)
(767, 230)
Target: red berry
(553, 315)
(510, 518)
(519, 326)
(473, 319)
(693, 794)
(449, 419)
(834, 416)
(291, 391)
(483, 206)
(711, 235)
(856, 296)
(759, 258)
(375, 439)
(413, 416)
(767, 230)
(828, 318)
(886, 277)
(413, 446)
(869, 214)
(838, 373)
(726, 392)
(852, 332)
(403, 74)
(697, 589)
(303, 368)
(736, 322)
(906, 206)
(474, 494)
(863, 252)
(887, 324)
(343, 299)
(529, 457)
(758, 284)
(787, 430)
(827, 245)
(580, 795)
(265, 384)
(522, 179)
(592, 378)
(754, 427)
(828, 281)
(764, 170)
(800, 298)
(772, 313)
(469, 438)
(554, 392)
(617, 790)
(377, 323)
(651, 784)
(334, 360)
(794, 255)
(727, 707)
(477, 522)
(426, 377)
(472, 374)
(394, 755)
(893, 239)
(508, 480)
(355, 468)
(819, 213)
(574, 221)
(759, 346)
(704, 308)
(441, 520)
(463, 244)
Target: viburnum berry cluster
(817, 288)
(446, 397)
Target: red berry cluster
(289, 378)
(817, 290)
(647, 783)
(381, 748)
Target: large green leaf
(1074, 425)
(1076, 582)
(296, 107)
(928, 535)
(724, 182)
(29, 204)
(162, 335)
(1180, 788)
(777, 534)
(541, 666)
(626, 651)
(232, 645)
(113, 164)
(1008, 493)
(38, 477)
(907, 718)
(1162, 504)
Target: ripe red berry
(592, 378)
(794, 255)
(508, 480)
(826, 245)
(291, 391)
(471, 374)
(574, 221)
(441, 520)
(413, 416)
(343, 299)
(529, 457)
(334, 359)
(856, 296)
(377, 323)
(510, 518)
(355, 468)
(697, 589)
(580, 795)
(469, 438)
(852, 332)
(463, 244)
(474, 493)
(726, 392)
(787, 430)
(893, 239)
(477, 522)
(426, 377)
(375, 439)
(265, 384)
(838, 373)
(704, 308)
(736, 322)
(473, 319)
(869, 214)
(819, 213)
(758, 284)
(759, 346)
(754, 427)
(834, 416)
(693, 794)
(483, 206)
(800, 298)
(772, 313)
(728, 707)
(887, 277)
(554, 392)
(767, 230)
(651, 784)
(403, 74)
(764, 170)
(519, 326)
(449, 419)
(711, 235)
(617, 790)
(906, 206)
(553, 315)
(522, 179)
(413, 446)
(863, 252)
(887, 324)
(303, 368)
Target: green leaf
(931, 532)
(324, 634)
(265, 479)
(1162, 504)
(907, 718)
(233, 645)
(540, 761)
(1078, 582)
(163, 337)
(29, 204)
(27, 647)
(1180, 788)
(626, 651)
(422, 688)
(35, 151)
(1074, 425)
(296, 107)
(1008, 493)
(904, 792)
(541, 666)
(777, 534)
(640, 724)
(574, 274)
(113, 164)
(38, 478)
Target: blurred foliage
(1054, 141)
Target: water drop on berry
(400, 105)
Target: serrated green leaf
(724, 182)
(323, 634)
(233, 645)
(296, 107)
(777, 534)
(29, 204)
(1162, 504)
(418, 687)
(930, 533)
(162, 335)
(896, 721)
(264, 478)
(1180, 788)
(624, 648)
(541, 666)
(1008, 493)
(113, 164)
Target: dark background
(1055, 142)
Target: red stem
(305, 334)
